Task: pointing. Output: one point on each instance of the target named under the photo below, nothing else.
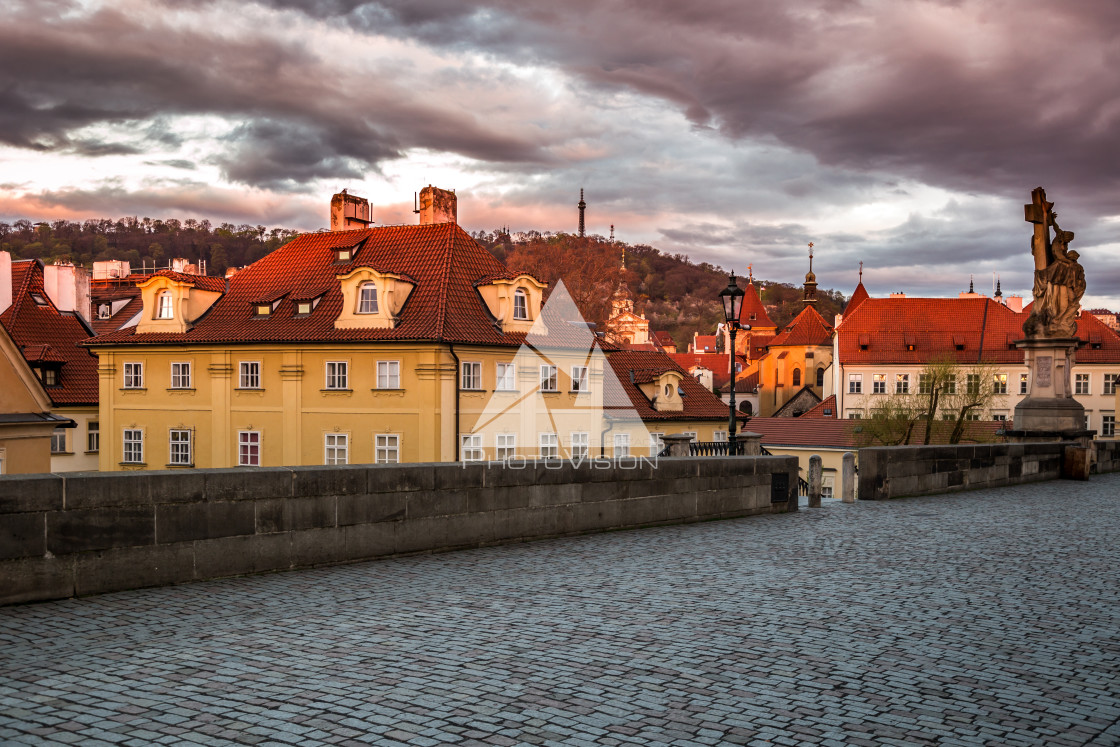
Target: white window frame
(104, 311)
(164, 306)
(248, 448)
(1024, 383)
(902, 383)
(1108, 424)
(972, 384)
(470, 376)
(621, 445)
(1110, 380)
(368, 305)
(388, 374)
(520, 304)
(336, 449)
(470, 448)
(655, 442)
(878, 383)
(1082, 383)
(505, 446)
(505, 377)
(387, 448)
(133, 375)
(249, 374)
(57, 446)
(337, 379)
(854, 414)
(579, 445)
(549, 444)
(134, 438)
(549, 378)
(581, 379)
(180, 451)
(180, 374)
(999, 383)
(719, 437)
(855, 383)
(93, 436)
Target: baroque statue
(1059, 281)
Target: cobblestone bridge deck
(990, 617)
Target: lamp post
(732, 298)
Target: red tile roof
(858, 296)
(828, 403)
(46, 335)
(704, 344)
(699, 403)
(807, 328)
(444, 261)
(717, 363)
(752, 304)
(967, 330)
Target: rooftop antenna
(416, 203)
(750, 274)
(970, 287)
(810, 256)
(861, 270)
(612, 232)
(582, 205)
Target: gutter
(458, 366)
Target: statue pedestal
(1049, 412)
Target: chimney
(110, 269)
(349, 212)
(437, 206)
(5, 281)
(1015, 303)
(68, 288)
(900, 294)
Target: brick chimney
(68, 288)
(349, 212)
(5, 281)
(437, 206)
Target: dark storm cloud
(302, 114)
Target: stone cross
(1039, 212)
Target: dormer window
(520, 304)
(38, 299)
(344, 255)
(303, 308)
(163, 306)
(367, 299)
(104, 311)
(48, 375)
(263, 309)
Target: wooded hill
(677, 295)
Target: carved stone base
(1049, 408)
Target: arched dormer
(662, 390)
(172, 304)
(507, 297)
(372, 299)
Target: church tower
(810, 298)
(582, 206)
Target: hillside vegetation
(677, 295)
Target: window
(520, 305)
(999, 417)
(579, 378)
(655, 443)
(719, 436)
(58, 441)
(548, 378)
(972, 415)
(250, 375)
(1108, 425)
(343, 255)
(507, 377)
(855, 383)
(264, 309)
(855, 415)
(180, 448)
(249, 448)
(925, 384)
(972, 384)
(472, 448)
(879, 384)
(999, 383)
(388, 375)
(1022, 383)
(950, 384)
(826, 489)
(621, 445)
(820, 377)
(133, 446)
(180, 375)
(902, 383)
(49, 376)
(134, 376)
(93, 436)
(367, 299)
(506, 444)
(104, 311)
(581, 446)
(163, 306)
(387, 449)
(948, 416)
(472, 375)
(797, 377)
(550, 445)
(337, 375)
(1110, 383)
(303, 308)
(1081, 383)
(336, 448)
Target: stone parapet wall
(897, 471)
(72, 535)
(1106, 456)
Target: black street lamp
(732, 298)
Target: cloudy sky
(903, 133)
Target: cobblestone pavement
(989, 617)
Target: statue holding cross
(1059, 281)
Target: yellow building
(398, 343)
